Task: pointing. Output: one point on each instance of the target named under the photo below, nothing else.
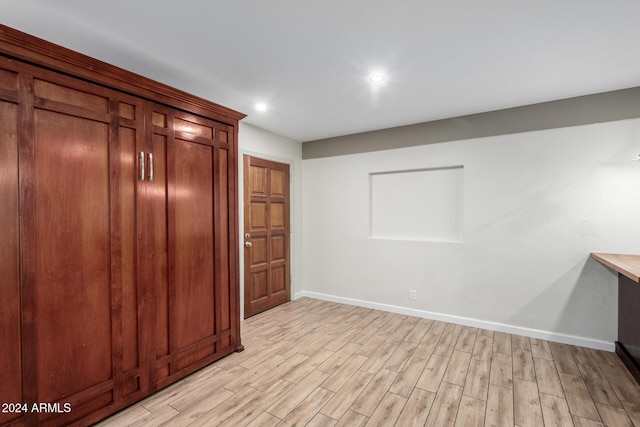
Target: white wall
(536, 204)
(257, 142)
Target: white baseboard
(494, 326)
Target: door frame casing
(292, 219)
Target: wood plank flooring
(317, 363)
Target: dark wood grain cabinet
(118, 261)
(627, 267)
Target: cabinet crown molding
(28, 48)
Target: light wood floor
(318, 363)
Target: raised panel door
(266, 219)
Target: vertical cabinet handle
(150, 167)
(142, 166)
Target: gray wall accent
(582, 110)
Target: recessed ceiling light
(261, 106)
(377, 78)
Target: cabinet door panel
(72, 277)
(156, 232)
(192, 191)
(193, 286)
(128, 231)
(222, 244)
(10, 358)
(127, 295)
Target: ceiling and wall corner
(310, 61)
(588, 109)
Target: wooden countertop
(629, 265)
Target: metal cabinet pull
(150, 167)
(142, 166)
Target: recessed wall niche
(417, 204)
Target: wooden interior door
(266, 226)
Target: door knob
(247, 244)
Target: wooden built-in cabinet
(118, 256)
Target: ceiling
(309, 61)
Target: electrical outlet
(412, 294)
